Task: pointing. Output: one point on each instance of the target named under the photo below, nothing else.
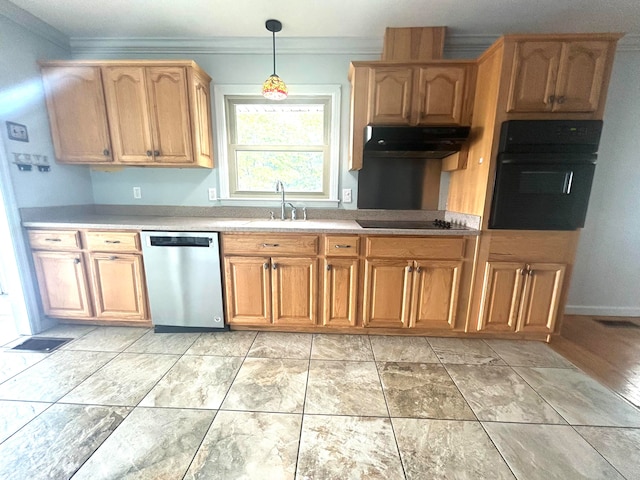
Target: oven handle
(568, 181)
(542, 158)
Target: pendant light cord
(274, 52)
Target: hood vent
(414, 142)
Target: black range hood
(415, 142)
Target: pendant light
(274, 88)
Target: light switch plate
(137, 192)
(346, 195)
(213, 194)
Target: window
(294, 141)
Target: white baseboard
(602, 311)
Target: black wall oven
(544, 174)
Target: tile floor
(124, 403)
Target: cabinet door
(541, 298)
(77, 112)
(247, 282)
(390, 95)
(387, 293)
(170, 122)
(533, 80)
(201, 119)
(340, 291)
(440, 98)
(501, 296)
(128, 107)
(435, 294)
(581, 75)
(118, 286)
(63, 284)
(295, 290)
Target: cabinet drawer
(105, 241)
(54, 239)
(339, 246)
(441, 248)
(269, 244)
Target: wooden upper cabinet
(560, 76)
(77, 114)
(391, 95)
(171, 124)
(439, 92)
(158, 113)
(129, 114)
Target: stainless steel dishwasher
(184, 281)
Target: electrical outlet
(213, 194)
(346, 195)
(137, 193)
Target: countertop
(82, 220)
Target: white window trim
(220, 91)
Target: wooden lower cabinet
(266, 290)
(118, 286)
(435, 294)
(340, 293)
(387, 293)
(62, 279)
(519, 297)
(82, 284)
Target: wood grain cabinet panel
(153, 113)
(441, 97)
(62, 279)
(295, 290)
(77, 114)
(248, 290)
(435, 294)
(118, 286)
(560, 76)
(541, 298)
(387, 293)
(340, 294)
(501, 296)
(391, 93)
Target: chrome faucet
(280, 189)
(294, 211)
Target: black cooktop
(410, 224)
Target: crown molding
(32, 23)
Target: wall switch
(137, 193)
(213, 194)
(346, 195)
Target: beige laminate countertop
(206, 224)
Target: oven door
(542, 192)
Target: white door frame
(15, 258)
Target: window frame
(330, 174)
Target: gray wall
(22, 101)
(606, 279)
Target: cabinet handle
(156, 153)
(106, 152)
(524, 271)
(149, 153)
(76, 261)
(551, 99)
(53, 239)
(266, 245)
(266, 265)
(409, 269)
(560, 99)
(275, 266)
(530, 272)
(328, 267)
(112, 241)
(110, 257)
(419, 269)
(343, 246)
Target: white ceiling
(329, 18)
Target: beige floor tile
(580, 399)
(422, 390)
(195, 381)
(402, 349)
(269, 385)
(448, 449)
(248, 445)
(520, 353)
(281, 345)
(544, 452)
(14, 362)
(159, 444)
(498, 394)
(464, 351)
(168, 343)
(348, 448)
(234, 344)
(344, 388)
(618, 445)
(107, 339)
(14, 415)
(341, 347)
